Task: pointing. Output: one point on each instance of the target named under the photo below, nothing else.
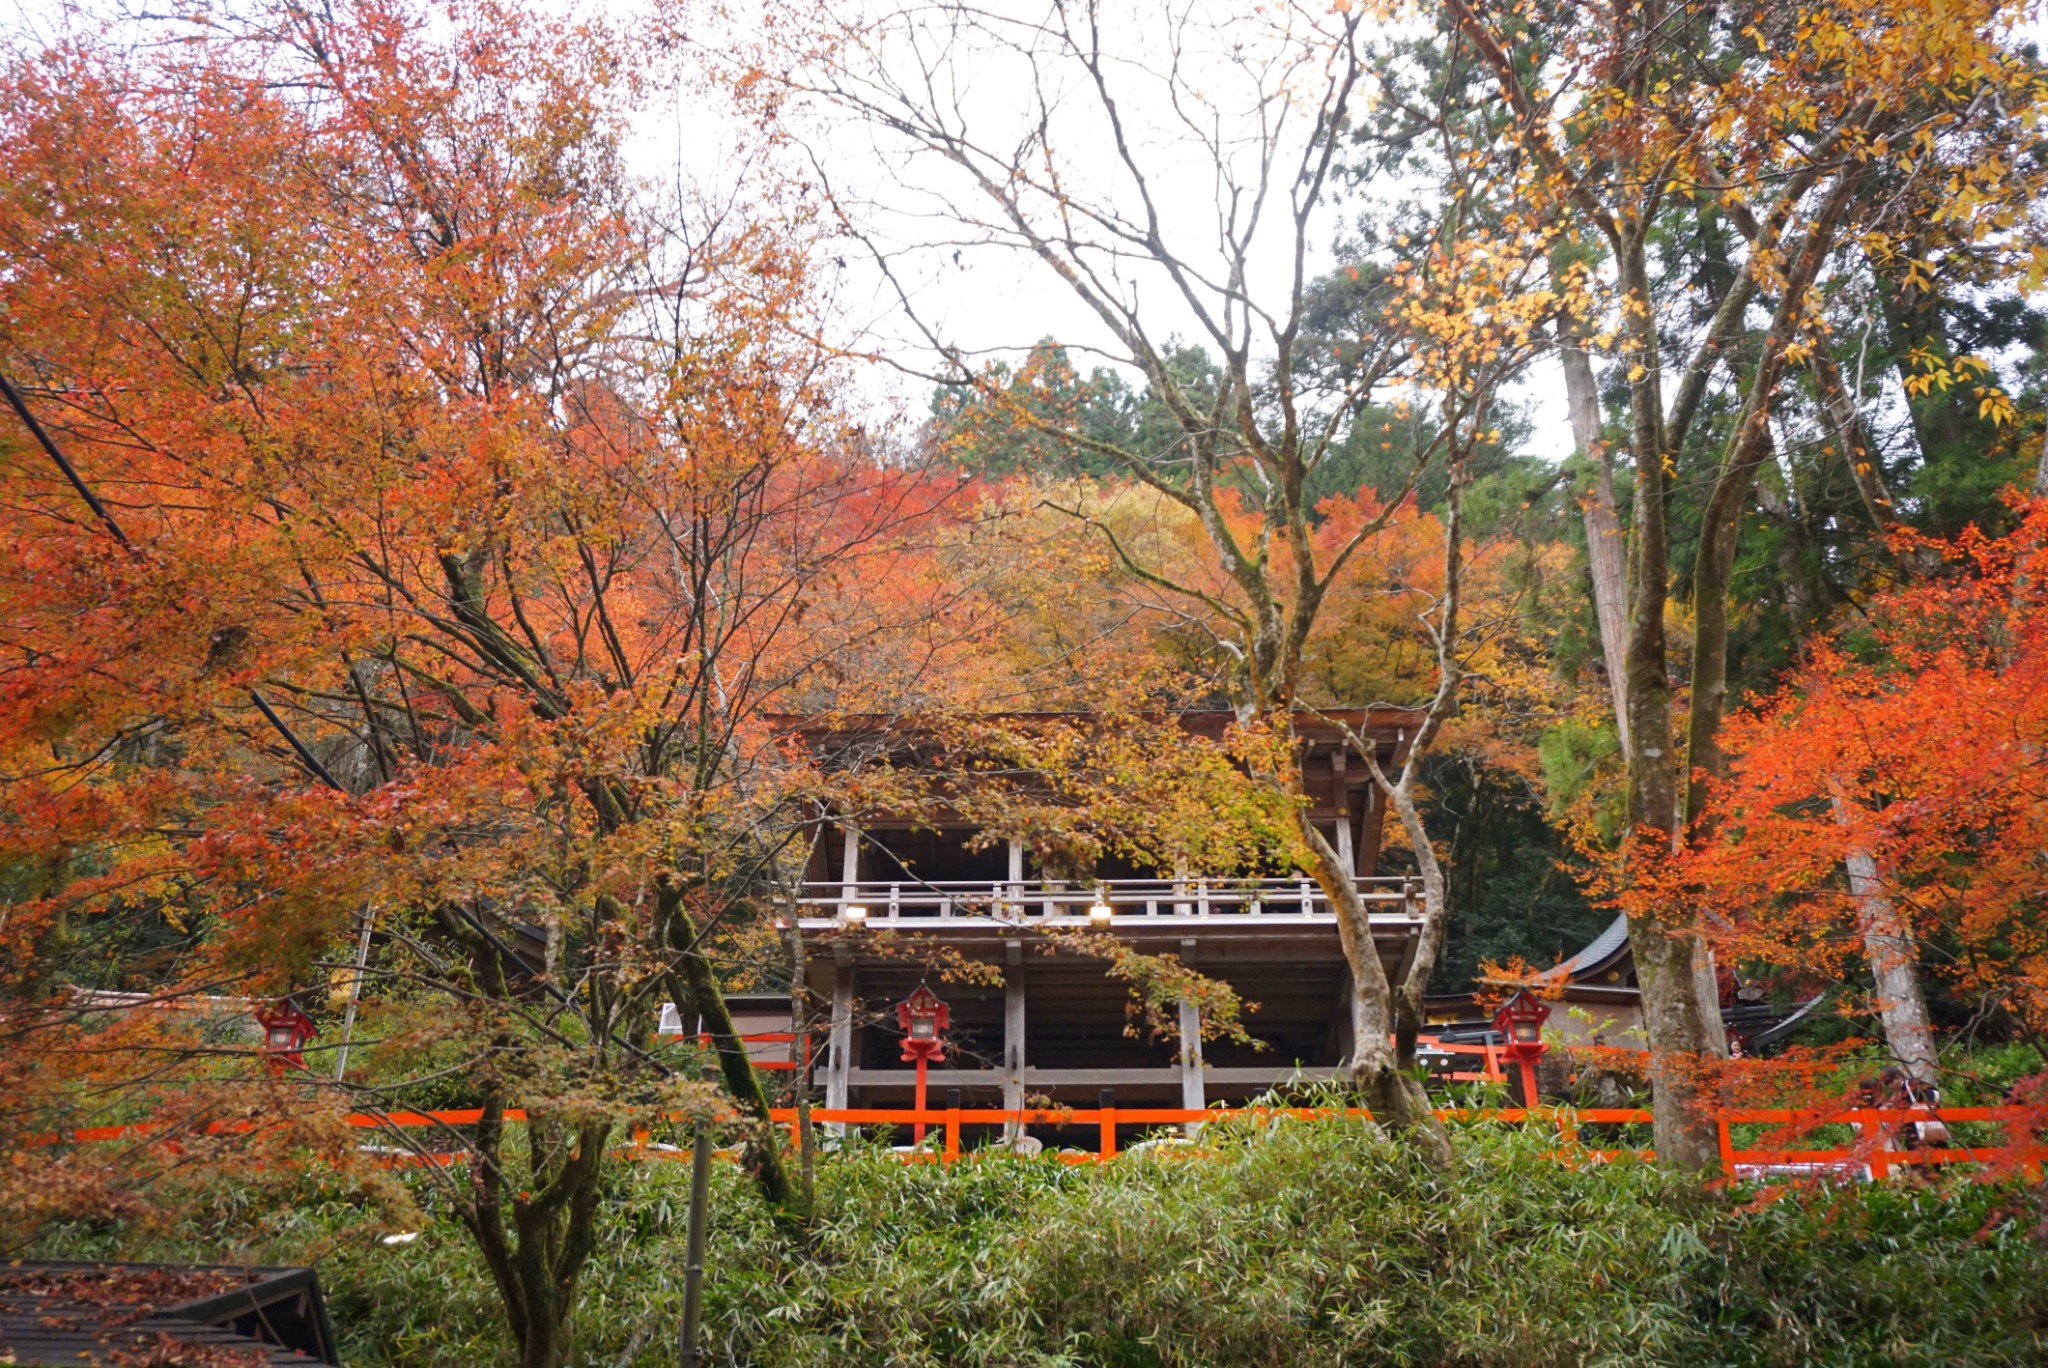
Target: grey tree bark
(1606, 554)
(1893, 953)
(1845, 421)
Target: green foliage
(1024, 419)
(1507, 880)
(1570, 755)
(1288, 1242)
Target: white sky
(988, 301)
(995, 300)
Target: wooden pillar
(1344, 1012)
(1016, 893)
(1194, 1095)
(1013, 1034)
(840, 1060)
(849, 864)
(1375, 822)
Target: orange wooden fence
(1875, 1126)
(1871, 1156)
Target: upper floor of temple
(943, 864)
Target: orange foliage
(363, 379)
(523, 502)
(1917, 733)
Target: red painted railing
(1869, 1157)
(1876, 1126)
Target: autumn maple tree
(1884, 814)
(414, 531)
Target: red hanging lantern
(286, 1029)
(924, 1019)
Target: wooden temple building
(893, 904)
(888, 899)
(1595, 997)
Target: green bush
(1286, 1242)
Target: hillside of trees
(432, 518)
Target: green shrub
(1286, 1242)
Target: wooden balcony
(1007, 904)
(1275, 940)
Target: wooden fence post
(1880, 1167)
(1106, 1102)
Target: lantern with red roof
(286, 1029)
(924, 1019)
(1519, 1023)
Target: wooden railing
(2023, 1145)
(1016, 900)
(1872, 1156)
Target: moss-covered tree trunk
(697, 993)
(534, 1218)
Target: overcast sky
(994, 299)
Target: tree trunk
(1664, 951)
(1679, 1042)
(1393, 1094)
(1703, 755)
(1606, 555)
(536, 1260)
(1409, 1016)
(696, 991)
(1894, 956)
(1721, 520)
(550, 1333)
(1706, 991)
(1709, 702)
(1845, 422)
(554, 1220)
(1720, 530)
